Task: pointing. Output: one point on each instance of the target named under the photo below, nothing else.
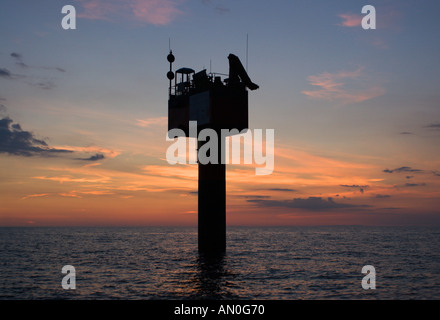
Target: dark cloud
(406, 132)
(96, 157)
(255, 197)
(382, 196)
(436, 173)
(402, 169)
(281, 189)
(311, 203)
(5, 73)
(53, 68)
(434, 126)
(361, 188)
(16, 55)
(43, 84)
(221, 9)
(19, 60)
(415, 184)
(353, 186)
(46, 85)
(22, 64)
(15, 141)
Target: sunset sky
(356, 113)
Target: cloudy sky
(356, 113)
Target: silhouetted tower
(216, 104)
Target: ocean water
(270, 263)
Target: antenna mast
(171, 59)
(247, 51)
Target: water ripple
(261, 263)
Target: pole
(247, 51)
(212, 206)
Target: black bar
(227, 309)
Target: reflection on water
(212, 279)
(209, 279)
(260, 263)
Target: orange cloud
(156, 12)
(187, 172)
(35, 196)
(331, 87)
(68, 178)
(98, 180)
(92, 165)
(350, 20)
(160, 121)
(96, 9)
(71, 194)
(93, 149)
(97, 193)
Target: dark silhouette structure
(215, 104)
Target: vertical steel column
(212, 205)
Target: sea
(260, 263)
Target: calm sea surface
(260, 263)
